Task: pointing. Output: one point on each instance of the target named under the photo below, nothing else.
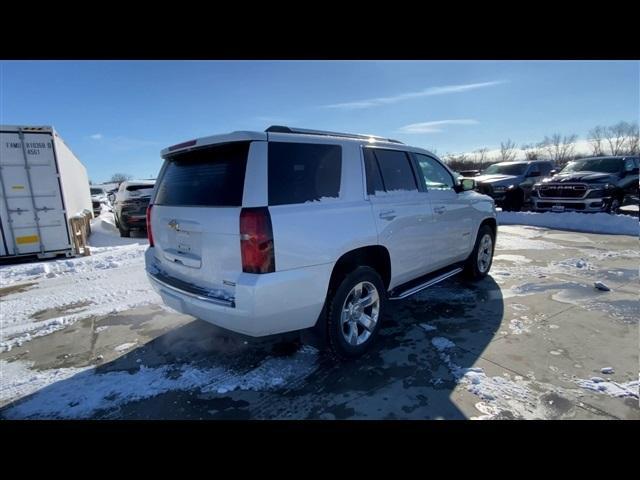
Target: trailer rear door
(31, 206)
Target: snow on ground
(613, 389)
(524, 239)
(504, 393)
(574, 221)
(79, 393)
(497, 393)
(518, 326)
(111, 279)
(518, 259)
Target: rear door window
(211, 177)
(303, 172)
(396, 170)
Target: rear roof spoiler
(238, 136)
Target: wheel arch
(492, 223)
(374, 256)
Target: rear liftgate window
(303, 172)
(210, 177)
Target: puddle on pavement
(49, 313)
(23, 287)
(568, 237)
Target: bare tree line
(120, 177)
(619, 139)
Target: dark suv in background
(599, 184)
(130, 206)
(510, 183)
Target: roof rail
(283, 129)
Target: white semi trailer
(42, 185)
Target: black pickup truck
(599, 184)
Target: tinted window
(629, 164)
(135, 188)
(545, 168)
(396, 170)
(212, 177)
(303, 172)
(374, 180)
(506, 169)
(603, 165)
(436, 177)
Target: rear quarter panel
(320, 232)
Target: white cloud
(96, 136)
(442, 90)
(435, 126)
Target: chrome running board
(422, 286)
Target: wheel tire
(472, 268)
(124, 232)
(341, 297)
(514, 201)
(614, 207)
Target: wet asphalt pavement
(519, 344)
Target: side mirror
(465, 185)
(553, 172)
(111, 197)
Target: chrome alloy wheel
(360, 313)
(485, 251)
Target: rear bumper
(133, 221)
(262, 305)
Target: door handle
(387, 214)
(439, 210)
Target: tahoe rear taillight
(149, 232)
(256, 241)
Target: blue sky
(117, 116)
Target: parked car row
(598, 184)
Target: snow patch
(110, 280)
(512, 258)
(574, 221)
(79, 393)
(516, 242)
(428, 328)
(442, 343)
(125, 346)
(518, 326)
(613, 389)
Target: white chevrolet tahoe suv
(270, 232)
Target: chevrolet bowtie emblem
(173, 224)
